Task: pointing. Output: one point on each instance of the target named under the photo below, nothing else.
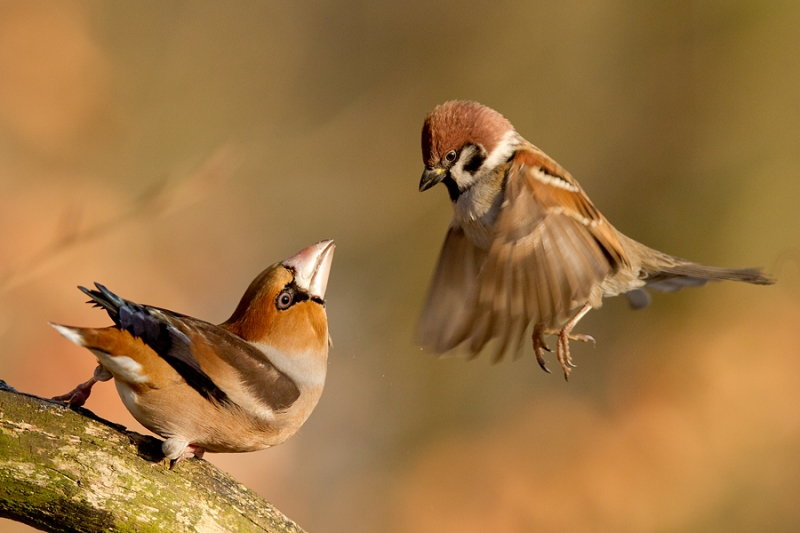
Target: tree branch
(69, 470)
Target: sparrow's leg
(80, 394)
(566, 335)
(539, 345)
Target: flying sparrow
(244, 385)
(526, 245)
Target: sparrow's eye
(450, 156)
(284, 300)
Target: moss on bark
(68, 470)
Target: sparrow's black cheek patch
(475, 162)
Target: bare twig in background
(68, 470)
(164, 197)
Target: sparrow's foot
(562, 352)
(540, 346)
(566, 335)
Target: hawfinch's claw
(188, 452)
(77, 396)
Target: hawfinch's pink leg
(80, 394)
(176, 450)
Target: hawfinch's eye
(284, 300)
(450, 156)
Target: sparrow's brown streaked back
(526, 245)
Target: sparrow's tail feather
(667, 273)
(686, 274)
(679, 274)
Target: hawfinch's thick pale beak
(430, 177)
(312, 266)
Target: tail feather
(672, 274)
(106, 299)
(74, 335)
(685, 274)
(667, 273)
(102, 339)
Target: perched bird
(526, 245)
(244, 385)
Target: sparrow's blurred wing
(447, 316)
(551, 249)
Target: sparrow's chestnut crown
(452, 125)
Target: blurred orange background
(172, 150)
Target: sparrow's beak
(430, 177)
(312, 266)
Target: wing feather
(551, 248)
(447, 314)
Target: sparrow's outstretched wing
(447, 316)
(551, 249)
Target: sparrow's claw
(562, 353)
(582, 338)
(564, 336)
(539, 347)
(542, 364)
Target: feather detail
(526, 245)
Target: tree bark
(68, 470)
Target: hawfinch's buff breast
(243, 385)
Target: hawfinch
(526, 245)
(244, 385)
